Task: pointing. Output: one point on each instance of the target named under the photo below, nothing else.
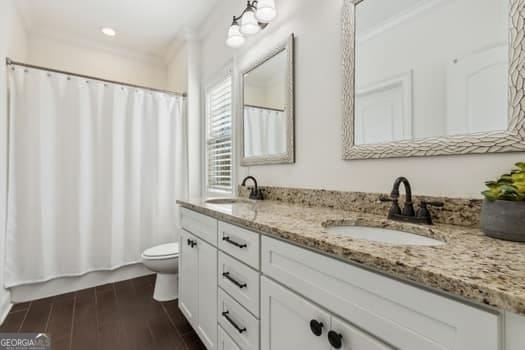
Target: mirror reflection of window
(430, 68)
(265, 120)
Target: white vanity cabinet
(288, 321)
(239, 285)
(241, 290)
(188, 277)
(399, 314)
(198, 275)
(226, 342)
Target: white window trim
(217, 78)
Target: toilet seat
(163, 251)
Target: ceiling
(149, 27)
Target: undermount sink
(383, 235)
(223, 201)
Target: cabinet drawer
(404, 316)
(240, 243)
(240, 281)
(353, 339)
(226, 342)
(240, 325)
(200, 225)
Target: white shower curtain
(95, 170)
(264, 131)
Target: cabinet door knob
(316, 327)
(335, 339)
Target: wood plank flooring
(115, 316)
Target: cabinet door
(207, 294)
(286, 320)
(351, 338)
(225, 342)
(188, 277)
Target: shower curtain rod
(10, 62)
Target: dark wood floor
(115, 316)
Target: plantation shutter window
(219, 137)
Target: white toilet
(164, 260)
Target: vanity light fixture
(256, 16)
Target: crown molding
(173, 50)
(402, 17)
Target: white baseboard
(64, 285)
(5, 304)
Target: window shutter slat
(219, 136)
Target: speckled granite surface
(469, 264)
(457, 211)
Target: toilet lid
(163, 250)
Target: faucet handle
(424, 204)
(385, 199)
(424, 213)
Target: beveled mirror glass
(433, 77)
(267, 108)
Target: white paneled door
(477, 92)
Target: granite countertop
(469, 265)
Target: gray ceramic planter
(504, 220)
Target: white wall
(316, 25)
(76, 56)
(12, 44)
(178, 71)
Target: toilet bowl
(164, 260)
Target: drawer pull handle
(191, 243)
(335, 339)
(316, 327)
(232, 280)
(238, 245)
(239, 329)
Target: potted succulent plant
(503, 211)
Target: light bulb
(235, 38)
(266, 11)
(108, 31)
(249, 24)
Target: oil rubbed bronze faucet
(255, 193)
(407, 214)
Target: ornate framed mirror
(433, 77)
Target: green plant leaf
(509, 193)
(518, 177)
(491, 184)
(508, 187)
(521, 165)
(490, 195)
(505, 179)
(520, 187)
